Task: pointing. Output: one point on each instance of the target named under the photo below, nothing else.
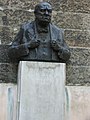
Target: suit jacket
(19, 50)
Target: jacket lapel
(53, 36)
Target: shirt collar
(41, 29)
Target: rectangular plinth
(41, 87)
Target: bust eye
(50, 11)
(42, 10)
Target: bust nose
(46, 12)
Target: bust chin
(42, 23)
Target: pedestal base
(41, 87)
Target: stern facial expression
(43, 12)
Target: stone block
(79, 102)
(8, 98)
(1, 15)
(82, 6)
(8, 73)
(78, 67)
(78, 75)
(4, 57)
(55, 4)
(6, 34)
(79, 6)
(4, 54)
(79, 56)
(21, 4)
(69, 20)
(16, 17)
(79, 38)
(41, 87)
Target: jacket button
(44, 53)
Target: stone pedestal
(41, 88)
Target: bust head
(43, 13)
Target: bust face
(43, 12)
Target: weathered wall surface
(77, 105)
(74, 17)
(8, 104)
(71, 15)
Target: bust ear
(34, 12)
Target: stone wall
(71, 15)
(74, 17)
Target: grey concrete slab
(41, 88)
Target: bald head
(43, 12)
(43, 5)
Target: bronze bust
(40, 40)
